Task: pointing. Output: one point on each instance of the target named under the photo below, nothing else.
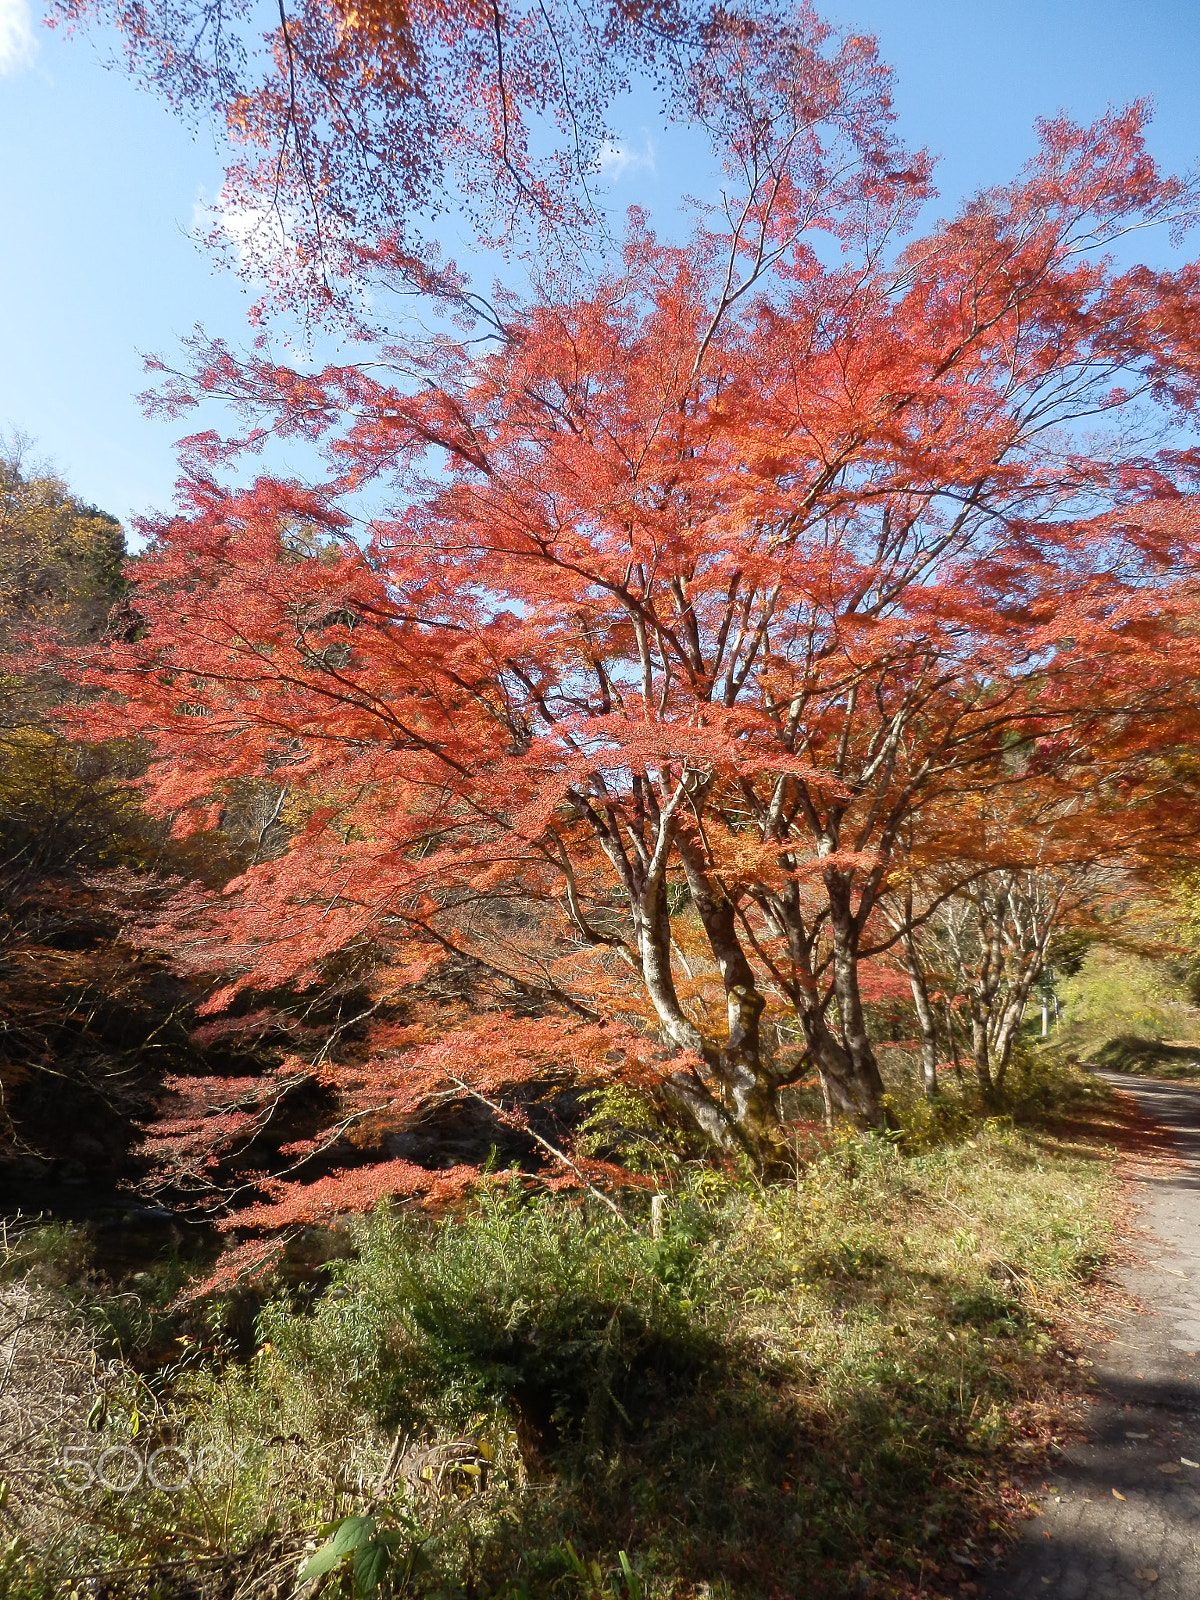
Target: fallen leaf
(1168, 1466)
(1148, 1574)
(1117, 1495)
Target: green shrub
(1116, 992)
(534, 1305)
(53, 1254)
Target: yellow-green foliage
(61, 803)
(1131, 1012)
(1116, 991)
(60, 569)
(60, 560)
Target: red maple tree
(356, 127)
(704, 593)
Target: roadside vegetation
(819, 1385)
(1133, 1006)
(698, 1375)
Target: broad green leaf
(631, 1577)
(352, 1533)
(324, 1560)
(370, 1564)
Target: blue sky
(100, 188)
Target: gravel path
(1121, 1515)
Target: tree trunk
(826, 1099)
(1013, 1015)
(834, 1063)
(981, 1048)
(849, 1072)
(750, 1092)
(952, 1039)
(652, 926)
(925, 1017)
(868, 1084)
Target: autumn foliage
(735, 605)
(357, 127)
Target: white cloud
(260, 240)
(618, 157)
(257, 235)
(18, 43)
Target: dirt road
(1121, 1513)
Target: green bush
(1116, 992)
(527, 1304)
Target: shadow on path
(1121, 1511)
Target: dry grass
(51, 1380)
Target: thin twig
(553, 1150)
(384, 1478)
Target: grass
(1152, 1058)
(813, 1387)
(1131, 1013)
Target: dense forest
(89, 1016)
(74, 1002)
